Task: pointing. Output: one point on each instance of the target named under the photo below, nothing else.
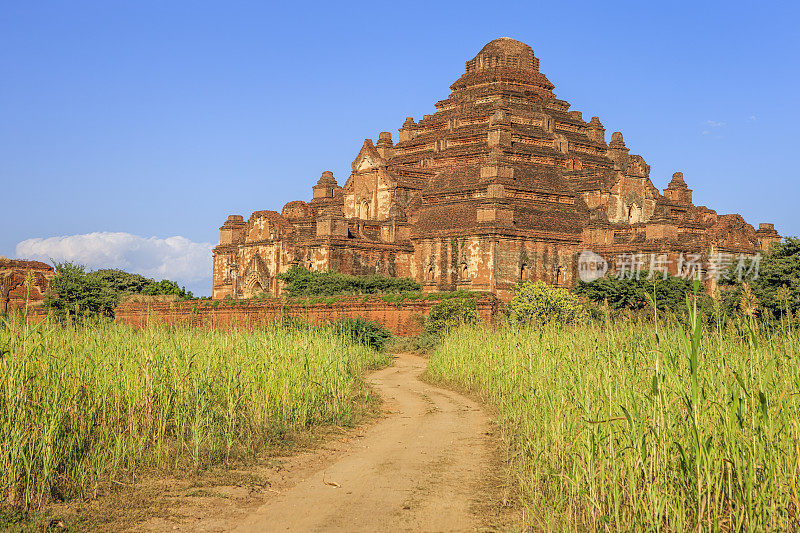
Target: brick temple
(502, 183)
(14, 293)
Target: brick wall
(13, 292)
(403, 318)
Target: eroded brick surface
(403, 318)
(13, 290)
(502, 183)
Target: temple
(15, 293)
(502, 183)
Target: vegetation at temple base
(775, 293)
(452, 310)
(450, 314)
(116, 280)
(669, 293)
(362, 331)
(76, 292)
(303, 282)
(537, 302)
(85, 406)
(631, 425)
(648, 415)
(769, 287)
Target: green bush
(449, 314)
(120, 281)
(123, 283)
(634, 294)
(77, 293)
(303, 282)
(775, 293)
(363, 331)
(166, 287)
(537, 302)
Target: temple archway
(257, 279)
(252, 285)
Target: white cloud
(176, 258)
(712, 126)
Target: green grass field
(84, 405)
(618, 427)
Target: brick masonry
(502, 183)
(403, 318)
(14, 294)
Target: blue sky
(130, 130)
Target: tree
(74, 293)
(775, 288)
(166, 287)
(622, 293)
(121, 281)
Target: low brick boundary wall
(402, 318)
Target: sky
(129, 131)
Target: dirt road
(422, 468)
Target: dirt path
(422, 468)
(430, 464)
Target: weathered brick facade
(502, 183)
(402, 318)
(13, 291)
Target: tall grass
(83, 405)
(617, 427)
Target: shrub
(624, 293)
(166, 287)
(303, 282)
(363, 331)
(123, 283)
(775, 292)
(449, 314)
(538, 302)
(75, 292)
